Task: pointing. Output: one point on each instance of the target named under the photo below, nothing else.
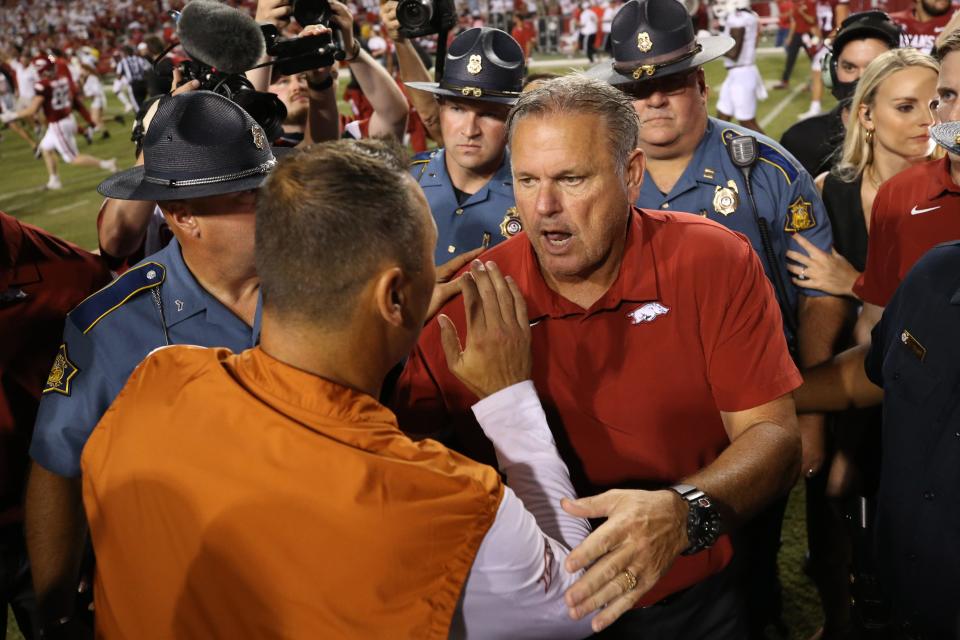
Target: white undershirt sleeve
(516, 586)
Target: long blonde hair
(857, 150)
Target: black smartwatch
(703, 519)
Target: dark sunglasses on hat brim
(668, 85)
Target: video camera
(425, 17)
(264, 107)
(293, 55)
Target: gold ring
(627, 580)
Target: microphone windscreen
(220, 36)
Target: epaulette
(422, 159)
(769, 154)
(99, 305)
(423, 156)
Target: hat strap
(263, 168)
(655, 63)
(477, 92)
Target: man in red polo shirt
(916, 209)
(659, 357)
(41, 279)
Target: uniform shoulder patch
(104, 302)
(61, 373)
(770, 155)
(800, 216)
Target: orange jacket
(234, 496)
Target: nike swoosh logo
(916, 212)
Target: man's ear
(391, 297)
(636, 163)
(180, 215)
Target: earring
(869, 136)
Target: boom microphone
(220, 36)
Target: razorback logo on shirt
(647, 313)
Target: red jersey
(632, 387)
(919, 35)
(58, 94)
(785, 8)
(913, 211)
(41, 279)
(800, 24)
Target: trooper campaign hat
(481, 64)
(199, 144)
(655, 38)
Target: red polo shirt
(914, 211)
(41, 279)
(633, 387)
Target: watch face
(703, 525)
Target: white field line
(67, 207)
(777, 110)
(8, 195)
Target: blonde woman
(888, 131)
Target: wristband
(323, 85)
(352, 55)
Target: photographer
(128, 230)
(318, 88)
(412, 69)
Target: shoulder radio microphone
(744, 152)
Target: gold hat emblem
(956, 139)
(726, 199)
(644, 43)
(475, 65)
(259, 138)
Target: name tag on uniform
(914, 345)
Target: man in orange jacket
(270, 493)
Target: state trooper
(204, 160)
(468, 182)
(657, 60)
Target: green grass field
(71, 213)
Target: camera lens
(309, 12)
(414, 14)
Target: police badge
(644, 43)
(726, 199)
(61, 373)
(801, 216)
(259, 138)
(475, 65)
(511, 224)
